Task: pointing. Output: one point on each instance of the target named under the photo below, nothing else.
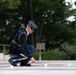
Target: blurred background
(56, 21)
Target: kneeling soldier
(22, 52)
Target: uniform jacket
(21, 39)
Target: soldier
(22, 52)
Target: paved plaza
(52, 67)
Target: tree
(50, 16)
(6, 13)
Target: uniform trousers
(20, 55)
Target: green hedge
(51, 55)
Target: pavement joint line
(39, 68)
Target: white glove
(33, 60)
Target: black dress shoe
(25, 64)
(12, 62)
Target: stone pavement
(52, 67)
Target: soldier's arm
(24, 46)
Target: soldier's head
(31, 26)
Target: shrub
(51, 55)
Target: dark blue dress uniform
(19, 47)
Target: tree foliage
(50, 16)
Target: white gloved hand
(33, 60)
